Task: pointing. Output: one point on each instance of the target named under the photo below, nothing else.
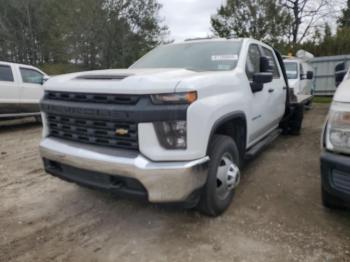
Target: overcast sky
(188, 18)
(191, 18)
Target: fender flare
(228, 117)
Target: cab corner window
(31, 76)
(6, 73)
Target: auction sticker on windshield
(224, 57)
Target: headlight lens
(174, 98)
(172, 135)
(338, 129)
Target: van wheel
(331, 201)
(223, 176)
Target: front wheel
(223, 176)
(293, 125)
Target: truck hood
(343, 92)
(121, 81)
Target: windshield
(204, 56)
(292, 70)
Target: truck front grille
(93, 98)
(97, 132)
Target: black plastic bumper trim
(118, 185)
(333, 165)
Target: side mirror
(44, 79)
(259, 79)
(265, 65)
(340, 72)
(310, 75)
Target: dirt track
(276, 215)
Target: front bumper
(335, 174)
(164, 181)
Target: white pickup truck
(335, 159)
(174, 127)
(20, 90)
(300, 78)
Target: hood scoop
(102, 77)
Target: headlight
(172, 135)
(174, 98)
(338, 129)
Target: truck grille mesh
(93, 98)
(97, 132)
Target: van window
(269, 54)
(31, 76)
(6, 73)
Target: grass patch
(322, 99)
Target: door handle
(271, 90)
(284, 88)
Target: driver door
(31, 89)
(260, 108)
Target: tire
(330, 201)
(308, 105)
(38, 119)
(218, 192)
(295, 122)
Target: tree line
(86, 33)
(71, 35)
(288, 25)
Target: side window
(273, 63)
(31, 76)
(6, 73)
(253, 61)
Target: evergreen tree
(344, 20)
(90, 33)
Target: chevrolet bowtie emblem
(121, 132)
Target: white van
(21, 88)
(300, 77)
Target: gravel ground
(276, 216)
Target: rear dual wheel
(223, 176)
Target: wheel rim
(227, 176)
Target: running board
(257, 148)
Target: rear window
(6, 73)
